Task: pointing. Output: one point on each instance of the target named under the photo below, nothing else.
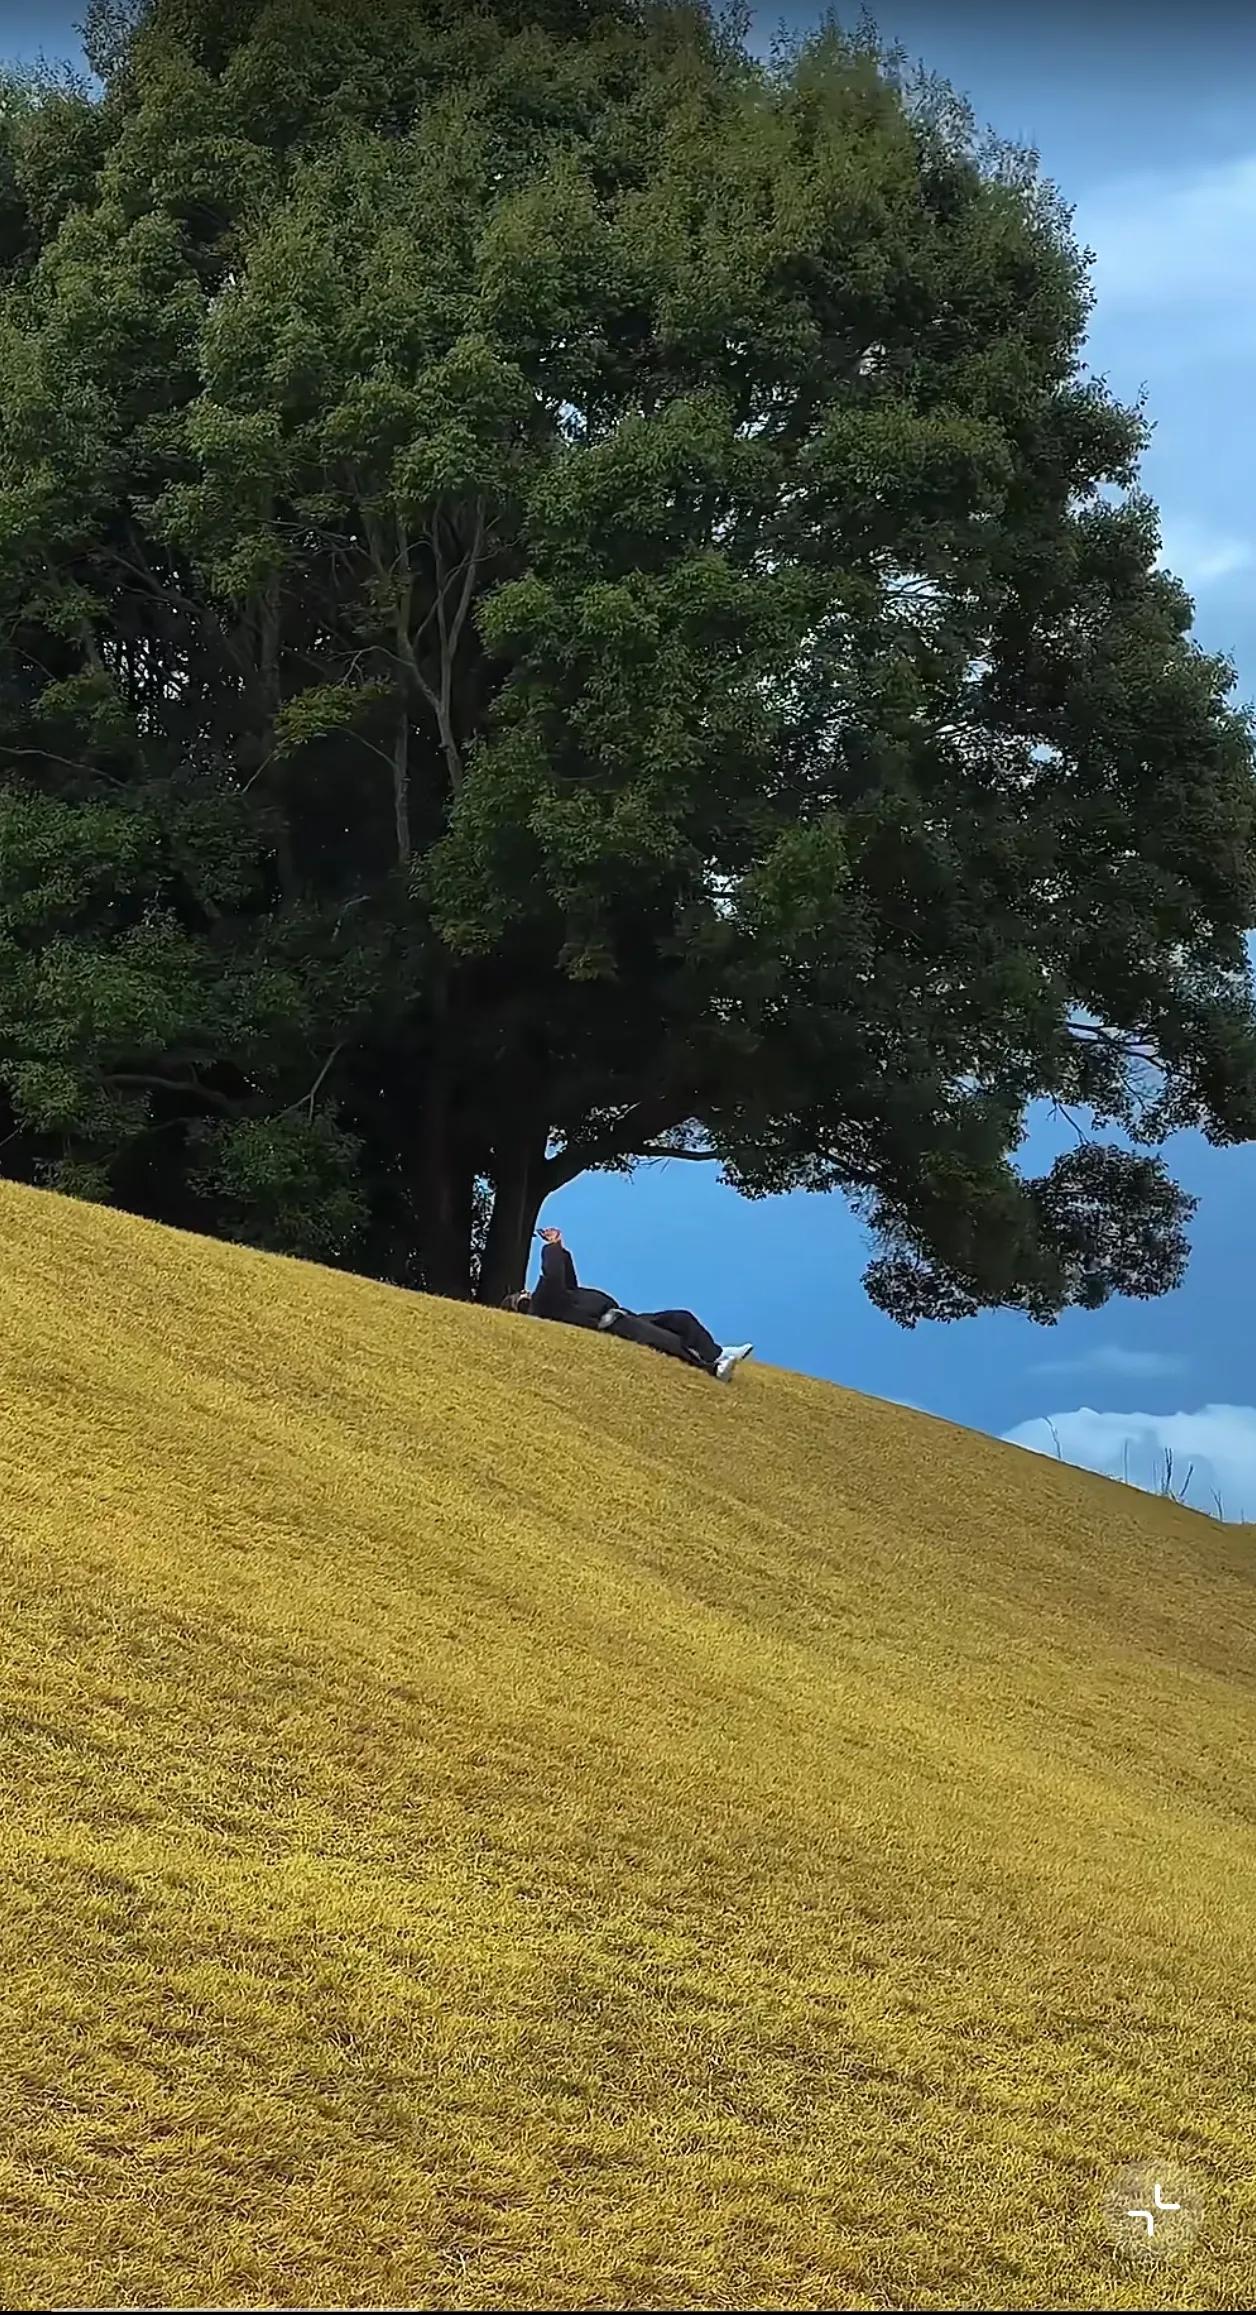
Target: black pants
(677, 1333)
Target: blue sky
(1147, 122)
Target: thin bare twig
(49, 756)
(1061, 1109)
(306, 1100)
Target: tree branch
(405, 656)
(689, 1157)
(306, 1100)
(401, 783)
(471, 567)
(200, 613)
(1096, 1034)
(1061, 1109)
(438, 697)
(153, 1082)
(450, 631)
(1128, 1044)
(48, 756)
(624, 1139)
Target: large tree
(566, 593)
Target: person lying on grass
(677, 1333)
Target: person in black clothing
(677, 1333)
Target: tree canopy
(567, 594)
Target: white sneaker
(728, 1359)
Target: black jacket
(559, 1294)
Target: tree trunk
(258, 755)
(517, 1196)
(448, 1186)
(401, 784)
(448, 1203)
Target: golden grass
(493, 1819)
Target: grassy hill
(491, 1818)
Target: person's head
(520, 1302)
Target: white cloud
(1199, 557)
(1167, 238)
(1112, 1358)
(1174, 276)
(1219, 1442)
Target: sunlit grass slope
(492, 1819)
